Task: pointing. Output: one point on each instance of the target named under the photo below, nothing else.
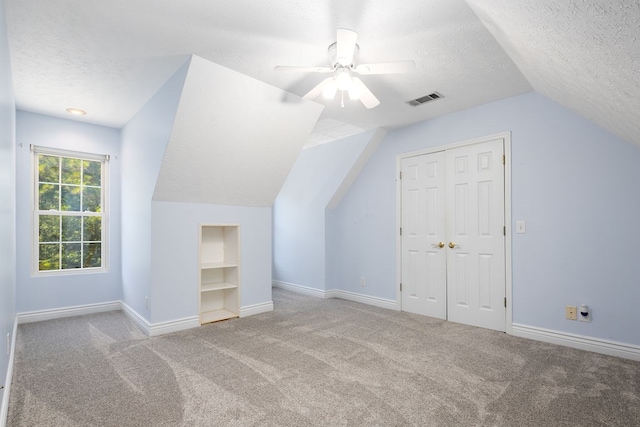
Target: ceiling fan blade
(367, 98)
(303, 69)
(317, 90)
(397, 67)
(345, 46)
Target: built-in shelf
(216, 286)
(210, 265)
(219, 296)
(216, 316)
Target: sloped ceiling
(106, 57)
(583, 54)
(109, 57)
(233, 140)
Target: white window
(70, 211)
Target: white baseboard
(4, 409)
(136, 317)
(597, 345)
(305, 290)
(250, 310)
(162, 328)
(59, 313)
(337, 293)
(159, 328)
(364, 299)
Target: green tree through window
(69, 212)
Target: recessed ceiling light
(76, 111)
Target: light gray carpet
(311, 362)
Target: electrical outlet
(146, 302)
(584, 313)
(362, 281)
(571, 312)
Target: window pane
(91, 173)
(49, 228)
(71, 255)
(92, 228)
(71, 227)
(71, 171)
(91, 199)
(70, 198)
(49, 257)
(48, 168)
(72, 238)
(92, 255)
(48, 197)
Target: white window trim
(35, 259)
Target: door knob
(452, 245)
(439, 245)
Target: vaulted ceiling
(109, 57)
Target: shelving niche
(219, 272)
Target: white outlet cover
(586, 318)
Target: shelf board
(216, 286)
(211, 265)
(216, 315)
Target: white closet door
(475, 221)
(424, 286)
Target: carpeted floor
(311, 362)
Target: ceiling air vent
(424, 99)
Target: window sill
(69, 272)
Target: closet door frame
(506, 137)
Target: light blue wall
(299, 210)
(175, 227)
(574, 183)
(144, 140)
(7, 201)
(42, 293)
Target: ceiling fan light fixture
(354, 93)
(343, 79)
(344, 57)
(329, 90)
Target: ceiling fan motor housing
(333, 57)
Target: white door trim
(506, 136)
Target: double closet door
(453, 243)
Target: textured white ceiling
(233, 140)
(583, 54)
(108, 57)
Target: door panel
(476, 263)
(423, 262)
(455, 196)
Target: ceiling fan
(343, 57)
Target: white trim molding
(160, 328)
(250, 310)
(299, 289)
(59, 313)
(338, 293)
(581, 342)
(4, 409)
(136, 317)
(364, 299)
(169, 326)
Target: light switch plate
(521, 227)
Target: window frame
(104, 214)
